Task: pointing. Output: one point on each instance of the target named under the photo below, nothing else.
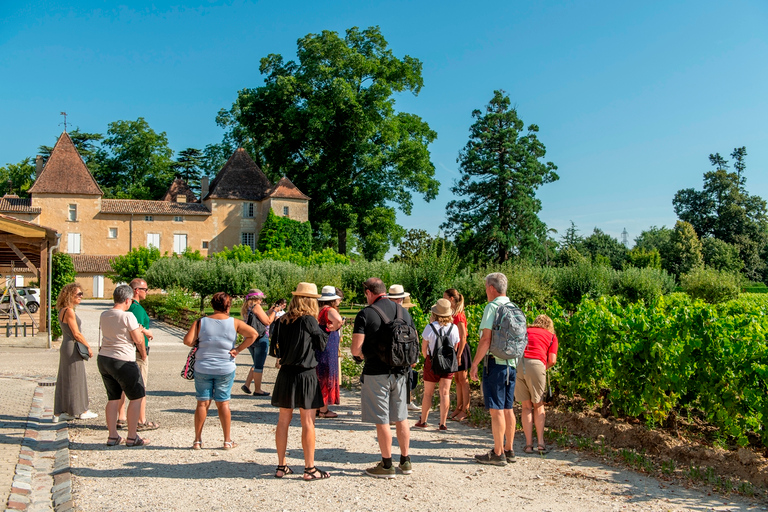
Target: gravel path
(168, 475)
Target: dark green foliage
(583, 280)
(683, 252)
(642, 258)
(603, 249)
(62, 273)
(413, 242)
(17, 178)
(134, 264)
(431, 272)
(282, 232)
(653, 238)
(721, 255)
(328, 122)
(501, 168)
(646, 284)
(189, 166)
(355, 273)
(713, 286)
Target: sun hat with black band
(396, 292)
(306, 290)
(328, 293)
(407, 303)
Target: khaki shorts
(143, 368)
(531, 381)
(384, 398)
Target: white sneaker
(413, 407)
(88, 415)
(66, 417)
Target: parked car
(5, 305)
(32, 296)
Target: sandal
(542, 449)
(421, 424)
(137, 441)
(228, 445)
(122, 423)
(147, 425)
(114, 441)
(197, 445)
(315, 474)
(528, 449)
(327, 414)
(285, 470)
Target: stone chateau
(231, 210)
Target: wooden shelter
(24, 244)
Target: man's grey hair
(498, 281)
(122, 293)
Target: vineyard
(677, 358)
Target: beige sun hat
(442, 308)
(407, 303)
(396, 292)
(306, 290)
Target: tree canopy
(328, 122)
(501, 168)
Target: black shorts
(121, 377)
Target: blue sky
(630, 97)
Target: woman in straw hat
(442, 322)
(298, 336)
(328, 359)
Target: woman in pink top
(539, 356)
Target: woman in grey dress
(71, 397)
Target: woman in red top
(539, 356)
(465, 355)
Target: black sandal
(315, 474)
(114, 441)
(285, 470)
(136, 441)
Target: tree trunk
(342, 232)
(202, 303)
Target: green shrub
(62, 273)
(134, 264)
(713, 286)
(354, 274)
(431, 272)
(633, 284)
(583, 280)
(282, 232)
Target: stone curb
(43, 478)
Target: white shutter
(153, 240)
(179, 243)
(73, 243)
(19, 280)
(98, 287)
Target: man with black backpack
(385, 336)
(502, 341)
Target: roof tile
(286, 189)
(240, 178)
(92, 263)
(144, 207)
(65, 172)
(15, 204)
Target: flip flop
(147, 425)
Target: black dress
(296, 384)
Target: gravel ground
(168, 475)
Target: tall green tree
(17, 178)
(603, 245)
(189, 166)
(501, 168)
(328, 122)
(684, 250)
(136, 161)
(724, 209)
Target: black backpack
(254, 322)
(444, 358)
(400, 345)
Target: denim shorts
(499, 386)
(216, 387)
(258, 350)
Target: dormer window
(72, 213)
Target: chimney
(203, 187)
(181, 198)
(38, 166)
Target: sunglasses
(79, 294)
(143, 289)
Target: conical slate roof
(240, 178)
(179, 187)
(286, 189)
(65, 172)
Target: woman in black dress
(297, 336)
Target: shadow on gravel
(200, 470)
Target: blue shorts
(258, 350)
(499, 386)
(216, 387)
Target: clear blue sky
(631, 97)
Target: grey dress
(71, 395)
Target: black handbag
(188, 371)
(82, 350)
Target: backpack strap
(382, 314)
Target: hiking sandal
(528, 449)
(147, 425)
(285, 470)
(315, 474)
(114, 441)
(542, 449)
(136, 441)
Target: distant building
(67, 198)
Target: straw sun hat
(396, 292)
(306, 290)
(407, 303)
(442, 308)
